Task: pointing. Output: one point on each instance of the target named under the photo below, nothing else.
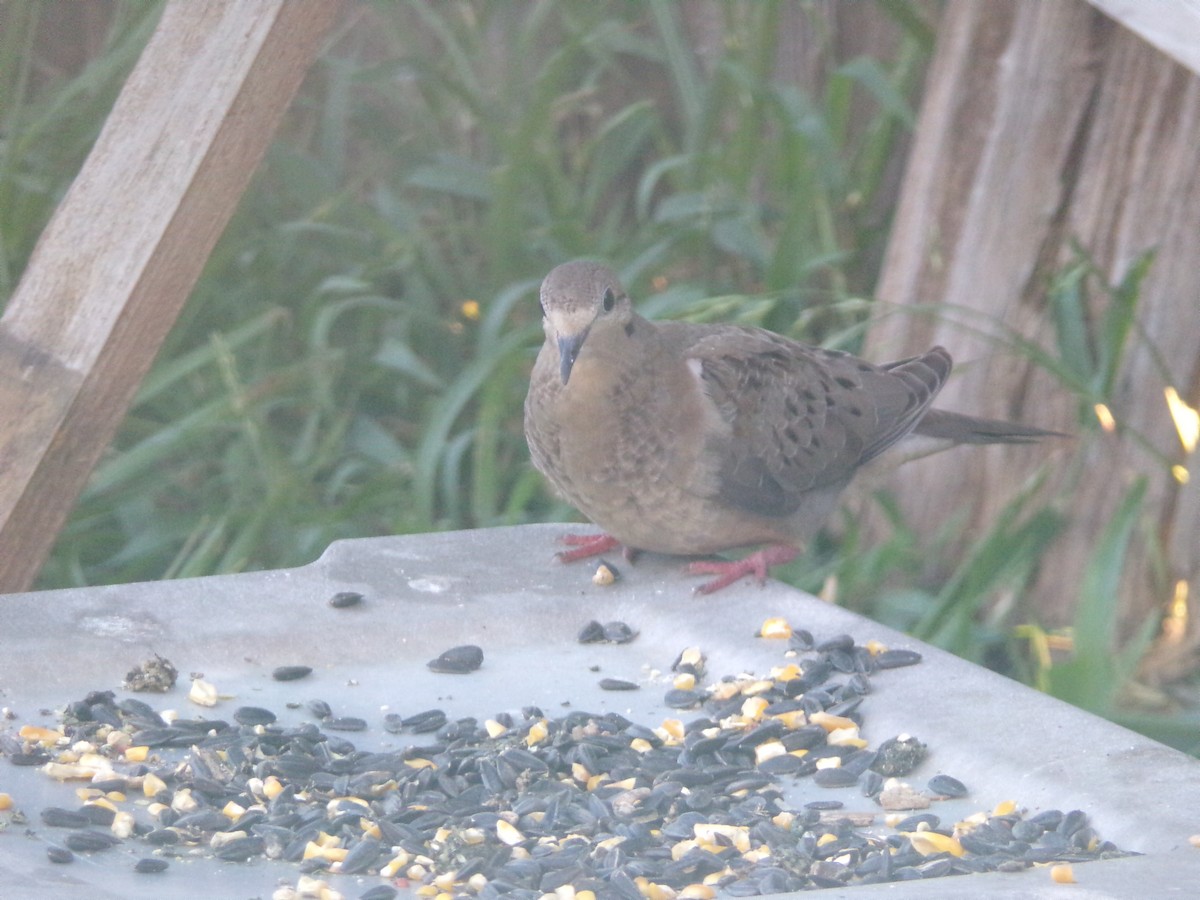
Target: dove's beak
(568, 350)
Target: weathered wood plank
(1044, 124)
(124, 248)
(1173, 26)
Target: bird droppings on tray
(521, 804)
(155, 675)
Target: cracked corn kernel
(508, 833)
(37, 734)
(831, 722)
(203, 693)
(768, 750)
(684, 681)
(604, 575)
(670, 730)
(395, 865)
(845, 737)
(790, 672)
(775, 627)
(928, 843)
(1062, 874)
(232, 810)
(754, 707)
(122, 824)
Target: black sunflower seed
(345, 599)
(834, 778)
(680, 699)
(32, 758)
(361, 856)
(946, 786)
(59, 855)
(821, 805)
(97, 814)
(1071, 822)
(914, 822)
(618, 633)
(591, 633)
(458, 660)
(423, 722)
(253, 715)
(617, 684)
(895, 659)
(150, 865)
(346, 723)
(319, 708)
(83, 841)
(837, 642)
(784, 764)
(241, 849)
(57, 817)
(290, 673)
(140, 710)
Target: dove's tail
(963, 429)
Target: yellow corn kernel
(1062, 874)
(776, 628)
(928, 843)
(538, 732)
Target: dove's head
(578, 299)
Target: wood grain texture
(124, 248)
(1173, 26)
(1046, 123)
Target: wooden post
(1043, 124)
(124, 248)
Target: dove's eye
(609, 299)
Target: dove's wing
(802, 418)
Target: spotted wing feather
(803, 418)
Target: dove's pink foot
(586, 545)
(730, 570)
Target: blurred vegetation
(354, 360)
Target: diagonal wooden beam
(125, 246)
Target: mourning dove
(693, 439)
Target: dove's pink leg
(586, 545)
(729, 571)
